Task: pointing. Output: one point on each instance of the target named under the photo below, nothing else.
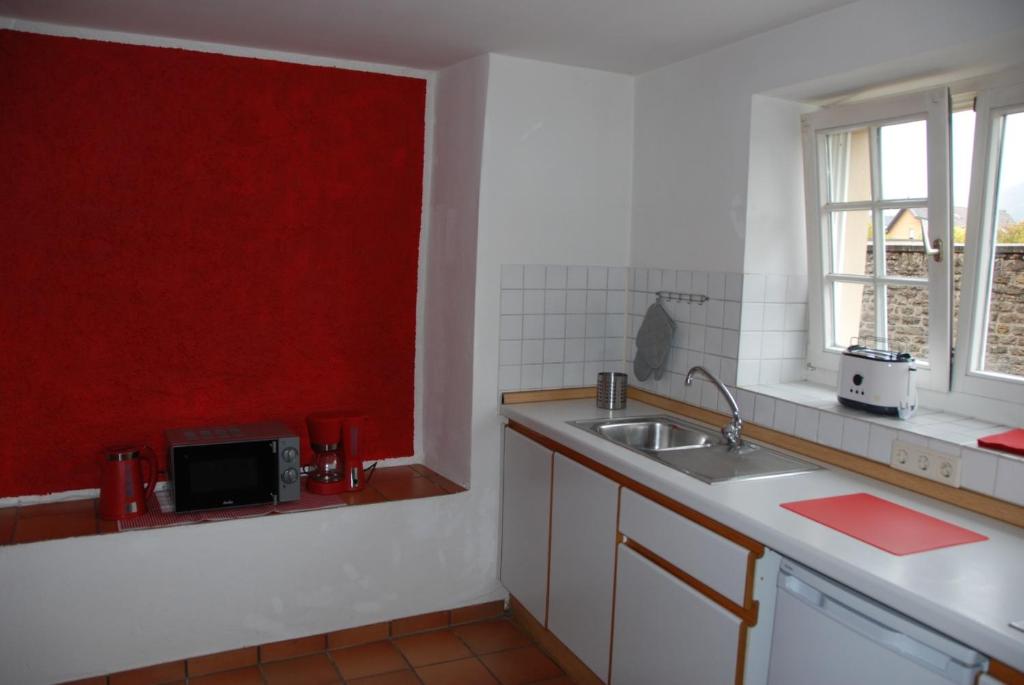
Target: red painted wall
(192, 239)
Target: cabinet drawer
(667, 632)
(706, 556)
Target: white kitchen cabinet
(583, 536)
(667, 632)
(525, 508)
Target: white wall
(557, 167)
(693, 118)
(555, 189)
(460, 99)
(776, 233)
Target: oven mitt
(653, 343)
(640, 368)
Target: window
(992, 300)
(880, 211)
(900, 255)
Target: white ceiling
(628, 36)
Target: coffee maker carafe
(336, 438)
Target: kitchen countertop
(970, 592)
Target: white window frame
(934, 106)
(991, 106)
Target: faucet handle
(731, 432)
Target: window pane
(904, 249)
(853, 312)
(849, 166)
(850, 236)
(1004, 344)
(962, 157)
(906, 312)
(904, 160)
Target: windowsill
(928, 423)
(812, 412)
(76, 518)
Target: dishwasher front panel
(825, 633)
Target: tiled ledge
(812, 412)
(56, 520)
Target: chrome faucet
(732, 430)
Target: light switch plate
(926, 463)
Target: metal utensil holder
(611, 390)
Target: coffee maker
(336, 438)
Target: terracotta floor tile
(68, 525)
(478, 612)
(289, 649)
(75, 506)
(7, 517)
(408, 489)
(372, 659)
(315, 669)
(250, 675)
(564, 680)
(418, 624)
(463, 672)
(521, 666)
(151, 675)
(396, 678)
(357, 636)
(432, 648)
(222, 661)
(389, 473)
(492, 636)
(368, 495)
(421, 469)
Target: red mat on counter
(883, 524)
(1010, 441)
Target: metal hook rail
(681, 297)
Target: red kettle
(122, 495)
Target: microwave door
(224, 475)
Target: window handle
(932, 248)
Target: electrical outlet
(926, 463)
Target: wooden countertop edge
(1000, 510)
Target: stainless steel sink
(652, 434)
(694, 450)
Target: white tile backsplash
(1010, 480)
(560, 325)
(880, 443)
(856, 436)
(978, 470)
(534, 276)
(830, 430)
(556, 277)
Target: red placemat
(883, 524)
(1010, 441)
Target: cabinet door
(525, 511)
(583, 530)
(667, 633)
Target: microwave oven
(218, 467)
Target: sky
(904, 173)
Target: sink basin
(694, 450)
(652, 434)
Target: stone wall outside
(908, 314)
